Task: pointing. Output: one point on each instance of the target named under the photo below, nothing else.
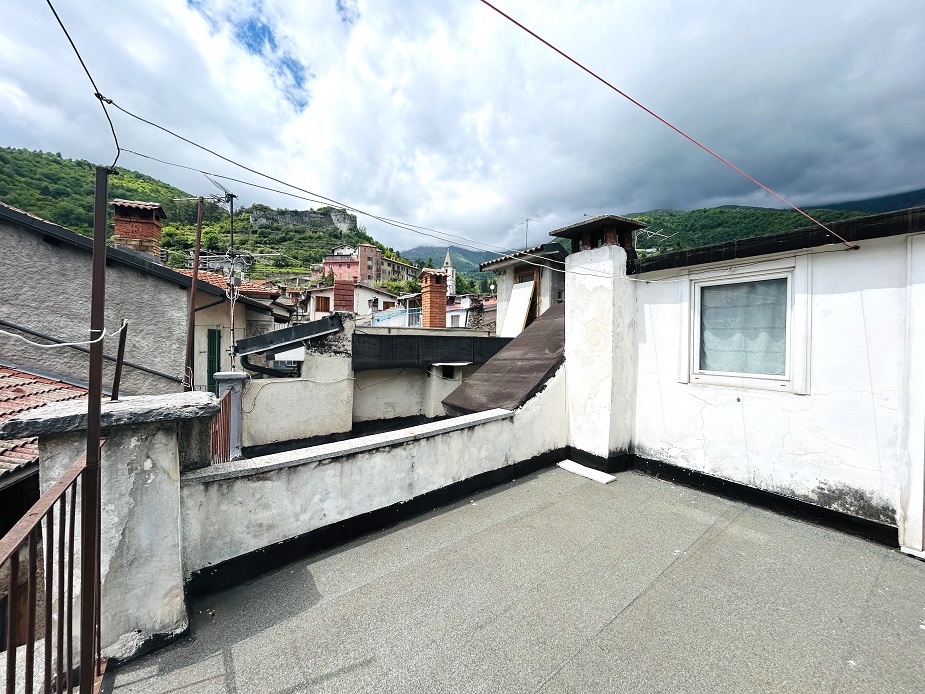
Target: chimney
(343, 296)
(138, 226)
(433, 298)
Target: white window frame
(796, 374)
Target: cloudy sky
(443, 114)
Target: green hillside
(671, 230)
(61, 190)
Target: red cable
(706, 149)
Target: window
(747, 327)
(323, 303)
(742, 327)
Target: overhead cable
(96, 92)
(850, 246)
(423, 231)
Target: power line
(321, 199)
(96, 92)
(424, 231)
(851, 246)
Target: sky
(443, 114)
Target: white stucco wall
(232, 509)
(599, 352)
(318, 403)
(390, 393)
(849, 443)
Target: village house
(151, 297)
(528, 283)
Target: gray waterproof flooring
(554, 583)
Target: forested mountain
(670, 230)
(464, 259)
(61, 190)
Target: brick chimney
(138, 226)
(343, 296)
(433, 298)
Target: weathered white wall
(141, 577)
(599, 352)
(390, 393)
(281, 496)
(288, 409)
(854, 442)
(318, 403)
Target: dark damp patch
(841, 497)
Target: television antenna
(228, 198)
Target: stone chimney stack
(138, 226)
(433, 298)
(343, 296)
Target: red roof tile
(21, 391)
(248, 287)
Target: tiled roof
(543, 250)
(595, 222)
(141, 205)
(21, 391)
(32, 216)
(248, 287)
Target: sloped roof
(516, 373)
(141, 205)
(21, 391)
(594, 223)
(553, 250)
(248, 287)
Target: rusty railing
(43, 649)
(221, 431)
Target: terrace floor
(554, 583)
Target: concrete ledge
(339, 449)
(232, 572)
(63, 417)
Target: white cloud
(446, 115)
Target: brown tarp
(517, 372)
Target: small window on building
(323, 304)
(741, 328)
(454, 321)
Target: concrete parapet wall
(231, 509)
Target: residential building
(398, 271)
(151, 297)
(533, 279)
(362, 300)
(789, 364)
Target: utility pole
(191, 314)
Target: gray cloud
(446, 115)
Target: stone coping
(62, 417)
(338, 449)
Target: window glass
(743, 327)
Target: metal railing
(44, 651)
(221, 431)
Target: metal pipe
(139, 367)
(191, 314)
(120, 354)
(90, 479)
